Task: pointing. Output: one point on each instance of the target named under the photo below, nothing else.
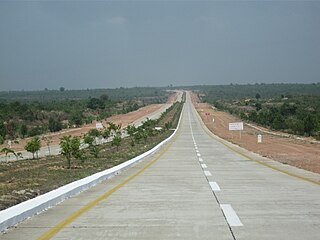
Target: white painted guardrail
(13, 215)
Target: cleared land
(299, 153)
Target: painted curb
(16, 214)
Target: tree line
(74, 147)
(296, 112)
(28, 119)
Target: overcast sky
(108, 44)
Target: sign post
(238, 126)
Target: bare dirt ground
(123, 119)
(300, 153)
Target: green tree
(106, 133)
(54, 125)
(33, 146)
(114, 128)
(95, 103)
(76, 119)
(70, 147)
(23, 130)
(94, 132)
(3, 130)
(310, 124)
(94, 149)
(258, 106)
(116, 141)
(131, 130)
(1, 140)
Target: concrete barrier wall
(13, 215)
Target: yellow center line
(58, 227)
(255, 160)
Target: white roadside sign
(238, 126)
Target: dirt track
(298, 153)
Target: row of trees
(74, 147)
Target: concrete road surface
(194, 188)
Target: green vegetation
(26, 179)
(33, 146)
(70, 148)
(27, 114)
(266, 91)
(146, 94)
(292, 108)
(116, 141)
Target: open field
(299, 153)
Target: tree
(131, 130)
(106, 133)
(33, 146)
(1, 140)
(310, 124)
(114, 128)
(7, 151)
(94, 149)
(258, 96)
(62, 89)
(77, 119)
(258, 106)
(3, 130)
(94, 132)
(23, 130)
(70, 147)
(95, 103)
(54, 125)
(116, 141)
(104, 97)
(10, 129)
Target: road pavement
(193, 188)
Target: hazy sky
(107, 44)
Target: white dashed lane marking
(198, 154)
(203, 165)
(200, 160)
(231, 216)
(214, 186)
(207, 173)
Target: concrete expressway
(194, 188)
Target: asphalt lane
(196, 188)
